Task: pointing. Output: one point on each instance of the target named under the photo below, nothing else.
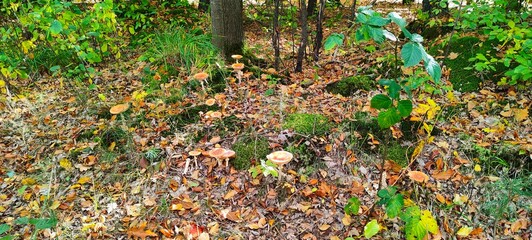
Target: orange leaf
(418, 176)
(230, 194)
(139, 232)
(445, 175)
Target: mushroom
(202, 76)
(236, 57)
(120, 108)
(210, 101)
(216, 114)
(228, 154)
(237, 66)
(195, 154)
(280, 157)
(217, 153)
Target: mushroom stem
(187, 163)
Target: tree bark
(304, 37)
(319, 31)
(276, 33)
(311, 7)
(227, 26)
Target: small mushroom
(236, 57)
(195, 154)
(227, 155)
(280, 157)
(237, 66)
(210, 101)
(216, 114)
(120, 108)
(201, 77)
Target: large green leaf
(352, 206)
(43, 223)
(433, 68)
(394, 206)
(378, 21)
(381, 101)
(414, 230)
(411, 53)
(388, 118)
(4, 228)
(335, 39)
(397, 19)
(56, 27)
(404, 107)
(371, 229)
(410, 213)
(376, 34)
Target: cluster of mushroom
(222, 154)
(238, 67)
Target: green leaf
(394, 206)
(404, 107)
(381, 101)
(378, 21)
(397, 19)
(8, 237)
(433, 69)
(4, 228)
(335, 39)
(388, 118)
(428, 221)
(414, 230)
(352, 206)
(416, 38)
(371, 229)
(22, 220)
(376, 34)
(56, 27)
(410, 213)
(43, 223)
(411, 54)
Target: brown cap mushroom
(236, 57)
(194, 153)
(229, 153)
(217, 153)
(237, 66)
(120, 108)
(216, 114)
(280, 157)
(210, 101)
(201, 76)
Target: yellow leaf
(83, 180)
(324, 227)
(464, 231)
(28, 181)
(66, 164)
(417, 150)
(521, 114)
(346, 220)
(429, 222)
(112, 146)
(55, 205)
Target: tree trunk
(276, 33)
(227, 26)
(311, 7)
(204, 5)
(304, 37)
(319, 31)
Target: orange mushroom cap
(194, 153)
(120, 108)
(237, 66)
(229, 153)
(217, 153)
(215, 114)
(210, 101)
(201, 76)
(280, 157)
(236, 56)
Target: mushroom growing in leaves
(227, 155)
(217, 153)
(120, 108)
(280, 157)
(201, 77)
(236, 57)
(237, 66)
(195, 154)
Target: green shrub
(249, 148)
(308, 124)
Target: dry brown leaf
(440, 198)
(418, 176)
(453, 55)
(230, 194)
(139, 232)
(445, 175)
(521, 114)
(324, 227)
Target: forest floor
(67, 162)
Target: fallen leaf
(324, 227)
(453, 55)
(84, 179)
(139, 232)
(521, 114)
(445, 175)
(464, 231)
(230, 194)
(418, 176)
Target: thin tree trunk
(354, 10)
(319, 31)
(311, 7)
(304, 37)
(276, 34)
(227, 26)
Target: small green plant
(38, 223)
(152, 154)
(349, 85)
(307, 124)
(417, 223)
(503, 198)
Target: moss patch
(349, 85)
(308, 124)
(248, 149)
(468, 80)
(397, 153)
